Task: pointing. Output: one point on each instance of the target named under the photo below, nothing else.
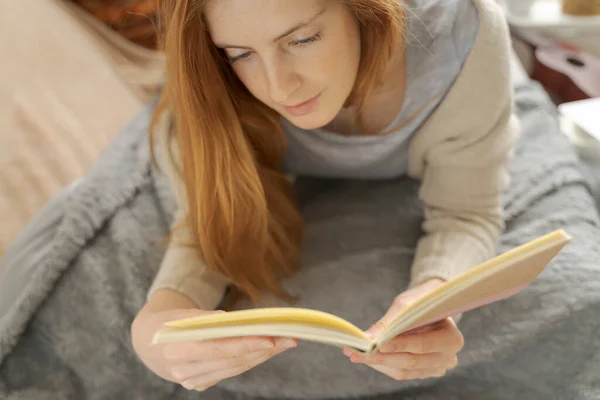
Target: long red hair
(242, 213)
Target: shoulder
(445, 23)
(468, 39)
(168, 158)
(475, 123)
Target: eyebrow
(278, 38)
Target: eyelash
(297, 43)
(309, 40)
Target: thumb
(164, 317)
(397, 305)
(159, 321)
(402, 301)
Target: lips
(305, 108)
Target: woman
(257, 89)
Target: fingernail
(266, 345)
(348, 352)
(187, 385)
(289, 343)
(371, 335)
(355, 358)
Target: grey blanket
(72, 285)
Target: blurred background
(74, 72)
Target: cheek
(331, 64)
(340, 61)
(251, 76)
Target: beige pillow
(68, 84)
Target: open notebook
(496, 279)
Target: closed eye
(297, 43)
(306, 41)
(241, 57)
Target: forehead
(242, 20)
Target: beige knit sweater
(460, 155)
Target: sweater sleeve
(461, 156)
(182, 269)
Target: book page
(281, 315)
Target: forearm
(145, 324)
(166, 299)
(453, 243)
(462, 195)
(184, 271)
(162, 306)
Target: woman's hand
(423, 353)
(198, 365)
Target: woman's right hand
(200, 365)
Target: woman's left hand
(423, 353)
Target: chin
(312, 121)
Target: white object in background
(536, 21)
(546, 14)
(585, 114)
(580, 122)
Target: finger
(220, 349)
(436, 326)
(200, 388)
(397, 305)
(408, 361)
(391, 315)
(212, 377)
(243, 362)
(191, 370)
(405, 375)
(446, 340)
(402, 301)
(206, 380)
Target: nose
(282, 79)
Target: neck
(382, 106)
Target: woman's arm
(184, 271)
(461, 156)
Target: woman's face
(299, 57)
